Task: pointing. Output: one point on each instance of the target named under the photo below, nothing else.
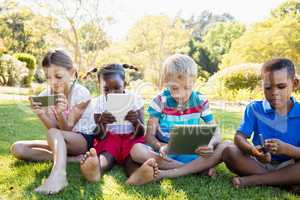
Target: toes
(93, 152)
(88, 154)
(151, 162)
(236, 182)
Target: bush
(242, 80)
(39, 75)
(12, 71)
(30, 64)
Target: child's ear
(296, 84)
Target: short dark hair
(59, 58)
(276, 64)
(113, 69)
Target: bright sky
(126, 12)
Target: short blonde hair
(179, 66)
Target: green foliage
(202, 57)
(219, 38)
(28, 59)
(149, 42)
(274, 37)
(23, 31)
(289, 7)
(202, 23)
(215, 43)
(242, 80)
(30, 64)
(12, 71)
(2, 47)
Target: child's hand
(276, 146)
(163, 151)
(205, 152)
(260, 155)
(133, 117)
(106, 118)
(61, 103)
(36, 107)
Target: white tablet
(119, 105)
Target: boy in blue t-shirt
(177, 104)
(272, 158)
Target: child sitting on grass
(178, 104)
(68, 132)
(115, 140)
(277, 119)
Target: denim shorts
(89, 139)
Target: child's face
(181, 89)
(113, 84)
(59, 78)
(278, 87)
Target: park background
(229, 41)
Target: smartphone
(45, 100)
(262, 143)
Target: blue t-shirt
(261, 118)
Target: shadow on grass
(149, 191)
(204, 187)
(37, 172)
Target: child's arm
(74, 115)
(42, 114)
(137, 119)
(45, 118)
(152, 127)
(241, 141)
(278, 147)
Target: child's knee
(18, 150)
(137, 151)
(230, 153)
(53, 133)
(225, 144)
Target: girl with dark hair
(114, 141)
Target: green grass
(18, 178)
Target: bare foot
(238, 182)
(212, 172)
(53, 184)
(90, 166)
(75, 159)
(146, 173)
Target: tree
(152, 39)
(23, 31)
(202, 23)
(215, 43)
(290, 7)
(202, 57)
(2, 47)
(219, 38)
(274, 37)
(78, 25)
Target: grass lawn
(18, 178)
